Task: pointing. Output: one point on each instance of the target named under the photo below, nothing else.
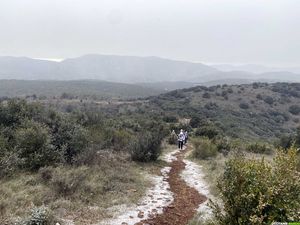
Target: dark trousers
(180, 144)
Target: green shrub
(259, 96)
(121, 139)
(170, 119)
(146, 147)
(294, 109)
(259, 192)
(33, 145)
(195, 121)
(71, 138)
(244, 105)
(208, 130)
(223, 145)
(204, 148)
(206, 95)
(259, 148)
(269, 100)
(285, 141)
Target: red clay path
(186, 199)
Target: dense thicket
(32, 136)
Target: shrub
(206, 95)
(33, 145)
(255, 85)
(170, 119)
(70, 138)
(269, 100)
(258, 192)
(39, 216)
(121, 139)
(204, 148)
(195, 121)
(66, 183)
(244, 105)
(285, 141)
(297, 138)
(259, 96)
(208, 130)
(259, 148)
(46, 174)
(294, 109)
(9, 164)
(223, 145)
(146, 147)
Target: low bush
(9, 164)
(208, 130)
(204, 148)
(66, 183)
(33, 145)
(259, 96)
(294, 109)
(146, 147)
(244, 105)
(206, 95)
(259, 148)
(259, 192)
(39, 216)
(223, 145)
(285, 141)
(170, 119)
(269, 100)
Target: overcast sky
(215, 31)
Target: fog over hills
(134, 69)
(254, 68)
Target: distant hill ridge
(126, 69)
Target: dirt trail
(186, 199)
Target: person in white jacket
(181, 139)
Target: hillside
(249, 111)
(80, 88)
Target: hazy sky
(232, 31)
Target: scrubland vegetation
(65, 164)
(69, 160)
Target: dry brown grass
(80, 193)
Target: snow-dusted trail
(175, 197)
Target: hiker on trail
(186, 137)
(173, 133)
(173, 138)
(181, 138)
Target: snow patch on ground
(170, 157)
(194, 177)
(156, 198)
